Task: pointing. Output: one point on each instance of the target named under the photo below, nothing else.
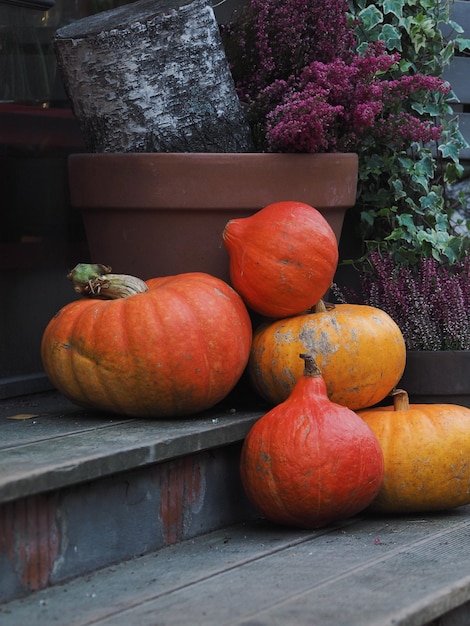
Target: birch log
(152, 76)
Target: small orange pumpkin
(173, 348)
(282, 258)
(426, 450)
(309, 461)
(359, 349)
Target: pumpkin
(309, 461)
(359, 349)
(282, 258)
(172, 347)
(426, 450)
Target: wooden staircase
(80, 491)
(105, 520)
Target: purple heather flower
(430, 301)
(296, 66)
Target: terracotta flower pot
(161, 214)
(437, 377)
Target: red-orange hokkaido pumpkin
(176, 349)
(282, 258)
(426, 451)
(308, 461)
(359, 349)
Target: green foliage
(403, 205)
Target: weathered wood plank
(82, 446)
(49, 538)
(458, 71)
(30, 424)
(343, 578)
(365, 572)
(460, 13)
(458, 76)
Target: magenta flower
(308, 90)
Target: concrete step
(81, 490)
(412, 571)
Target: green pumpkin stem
(311, 369)
(401, 401)
(97, 281)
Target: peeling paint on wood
(49, 538)
(30, 537)
(182, 488)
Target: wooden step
(105, 520)
(80, 490)
(401, 571)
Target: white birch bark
(152, 76)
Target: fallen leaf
(22, 416)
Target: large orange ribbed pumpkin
(426, 450)
(178, 348)
(309, 461)
(282, 258)
(359, 349)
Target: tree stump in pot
(152, 76)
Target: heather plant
(360, 76)
(430, 301)
(307, 89)
(270, 41)
(344, 107)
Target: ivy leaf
(385, 212)
(453, 172)
(370, 17)
(422, 181)
(455, 27)
(449, 151)
(431, 203)
(427, 165)
(452, 257)
(462, 44)
(406, 220)
(391, 37)
(406, 162)
(368, 217)
(447, 53)
(395, 7)
(442, 222)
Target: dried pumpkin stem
(311, 369)
(401, 401)
(97, 281)
(321, 306)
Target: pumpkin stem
(321, 306)
(401, 401)
(96, 281)
(311, 369)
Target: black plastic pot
(436, 377)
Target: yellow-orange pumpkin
(282, 258)
(178, 348)
(426, 450)
(309, 461)
(359, 349)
